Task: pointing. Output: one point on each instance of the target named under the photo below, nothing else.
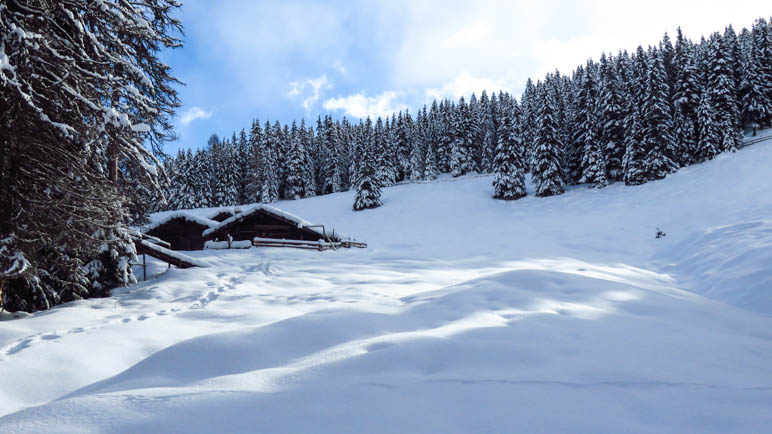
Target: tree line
(629, 117)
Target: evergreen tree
(417, 152)
(720, 79)
(307, 140)
(709, 139)
(508, 180)
(256, 161)
(242, 154)
(686, 98)
(368, 190)
(611, 118)
(592, 165)
(295, 170)
(430, 165)
(461, 160)
(762, 50)
(547, 173)
(269, 188)
(756, 106)
(657, 134)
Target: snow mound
(732, 263)
(501, 351)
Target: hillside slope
(465, 314)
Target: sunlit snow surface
(465, 314)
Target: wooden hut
(265, 221)
(182, 230)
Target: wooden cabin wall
(181, 234)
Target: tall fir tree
(547, 172)
(658, 130)
(256, 161)
(269, 190)
(686, 99)
(592, 166)
(295, 170)
(709, 144)
(508, 165)
(720, 79)
(368, 190)
(611, 118)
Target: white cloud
(360, 106)
(194, 113)
(312, 87)
(466, 84)
(505, 42)
(338, 65)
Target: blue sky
(293, 59)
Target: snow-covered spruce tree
(243, 154)
(223, 172)
(331, 170)
(295, 166)
(256, 161)
(489, 137)
(475, 131)
(430, 165)
(282, 137)
(461, 159)
(762, 49)
(446, 136)
(634, 161)
(402, 143)
(658, 130)
(187, 188)
(593, 164)
(508, 164)
(307, 140)
(529, 109)
(566, 119)
(667, 56)
(708, 145)
(720, 79)
(611, 118)
(756, 105)
(175, 188)
(368, 190)
(81, 92)
(269, 189)
(686, 98)
(417, 151)
(547, 172)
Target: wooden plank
(143, 248)
(349, 244)
(297, 244)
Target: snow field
(465, 314)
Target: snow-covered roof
(169, 216)
(251, 209)
(213, 212)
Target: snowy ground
(465, 314)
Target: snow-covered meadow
(465, 314)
